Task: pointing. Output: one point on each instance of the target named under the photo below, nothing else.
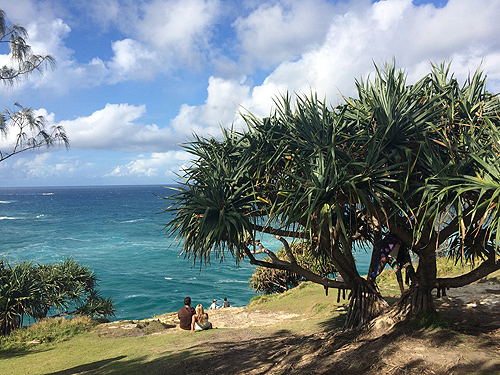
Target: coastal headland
(293, 333)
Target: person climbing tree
(392, 251)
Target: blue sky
(136, 78)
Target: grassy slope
(155, 354)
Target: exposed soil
(470, 344)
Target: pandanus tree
(457, 204)
(270, 281)
(34, 290)
(412, 160)
(19, 294)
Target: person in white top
(213, 306)
(199, 320)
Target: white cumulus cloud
(282, 30)
(45, 166)
(195, 63)
(116, 127)
(377, 33)
(165, 165)
(181, 27)
(221, 108)
(133, 60)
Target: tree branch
(287, 249)
(295, 268)
(280, 232)
(483, 270)
(263, 249)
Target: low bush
(47, 330)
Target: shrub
(47, 330)
(34, 290)
(270, 280)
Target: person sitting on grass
(199, 320)
(185, 315)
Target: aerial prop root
(363, 307)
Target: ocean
(118, 231)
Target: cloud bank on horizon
(137, 78)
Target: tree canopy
(24, 129)
(419, 160)
(35, 290)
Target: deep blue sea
(118, 232)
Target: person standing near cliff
(185, 315)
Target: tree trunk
(415, 302)
(419, 299)
(365, 305)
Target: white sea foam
(5, 202)
(168, 278)
(145, 295)
(133, 296)
(76, 239)
(47, 193)
(132, 221)
(8, 218)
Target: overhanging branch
(483, 270)
(279, 232)
(286, 246)
(295, 268)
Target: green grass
(307, 298)
(151, 354)
(88, 352)
(74, 347)
(429, 321)
(388, 286)
(494, 277)
(47, 331)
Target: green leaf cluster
(269, 281)
(33, 290)
(28, 131)
(419, 160)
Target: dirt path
(240, 317)
(474, 298)
(232, 317)
(471, 345)
(472, 309)
(478, 294)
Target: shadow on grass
(93, 366)
(284, 352)
(20, 352)
(239, 356)
(349, 353)
(334, 323)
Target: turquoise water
(118, 232)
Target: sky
(135, 79)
